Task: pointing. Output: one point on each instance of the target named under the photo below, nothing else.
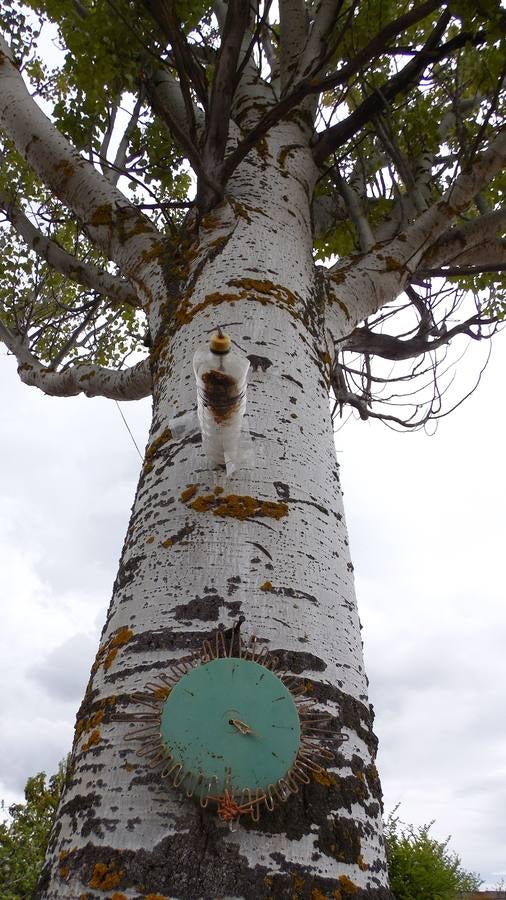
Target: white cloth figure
(221, 375)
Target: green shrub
(421, 867)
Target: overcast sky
(426, 517)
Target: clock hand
(242, 727)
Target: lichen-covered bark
(268, 544)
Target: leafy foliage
(421, 866)
(24, 837)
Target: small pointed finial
(220, 341)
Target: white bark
(185, 571)
(132, 383)
(359, 286)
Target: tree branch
(363, 340)
(294, 30)
(458, 242)
(112, 222)
(83, 273)
(189, 69)
(133, 383)
(330, 140)
(222, 92)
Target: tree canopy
(24, 836)
(402, 104)
(421, 866)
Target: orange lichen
(266, 586)
(203, 503)
(154, 447)
(105, 876)
(111, 648)
(297, 885)
(85, 725)
(117, 896)
(361, 863)
(316, 894)
(108, 651)
(64, 168)
(154, 897)
(237, 506)
(325, 779)
(150, 539)
(157, 252)
(347, 885)
(94, 739)
(189, 492)
(218, 490)
(102, 215)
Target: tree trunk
(270, 547)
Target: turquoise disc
(197, 724)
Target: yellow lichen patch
(102, 215)
(94, 739)
(218, 489)
(308, 687)
(266, 586)
(150, 539)
(109, 650)
(85, 725)
(155, 897)
(361, 863)
(117, 896)
(122, 636)
(244, 507)
(105, 876)
(64, 168)
(203, 503)
(325, 779)
(154, 447)
(297, 885)
(347, 885)
(237, 506)
(316, 894)
(393, 265)
(157, 252)
(189, 492)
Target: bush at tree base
(420, 867)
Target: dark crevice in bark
(206, 867)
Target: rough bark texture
(271, 547)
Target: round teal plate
(198, 731)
